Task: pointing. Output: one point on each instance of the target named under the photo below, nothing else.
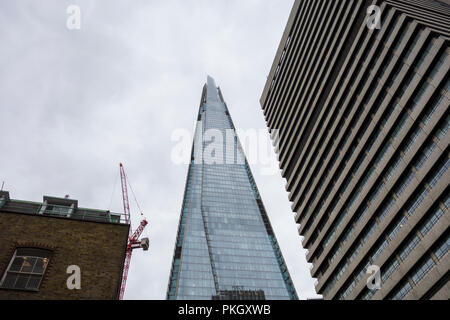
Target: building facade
(225, 245)
(42, 244)
(362, 119)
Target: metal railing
(64, 212)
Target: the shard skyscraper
(225, 247)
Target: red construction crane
(133, 238)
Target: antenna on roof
(3, 183)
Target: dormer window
(58, 207)
(57, 210)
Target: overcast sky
(75, 103)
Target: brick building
(40, 241)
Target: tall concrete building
(225, 248)
(363, 122)
(43, 243)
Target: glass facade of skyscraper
(225, 241)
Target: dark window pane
(33, 282)
(21, 281)
(40, 265)
(17, 264)
(28, 264)
(10, 279)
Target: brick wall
(97, 248)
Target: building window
(437, 175)
(329, 286)
(26, 269)
(392, 168)
(389, 270)
(376, 192)
(422, 270)
(349, 289)
(412, 45)
(409, 79)
(417, 201)
(386, 208)
(431, 221)
(427, 51)
(379, 251)
(394, 77)
(442, 249)
(409, 247)
(430, 112)
(396, 228)
(361, 214)
(424, 155)
(388, 33)
(362, 271)
(355, 252)
(402, 36)
(400, 126)
(402, 292)
(447, 86)
(341, 271)
(438, 65)
(336, 252)
(367, 177)
(370, 231)
(419, 95)
(57, 210)
(404, 184)
(389, 113)
(369, 294)
(373, 139)
(382, 153)
(443, 128)
(411, 140)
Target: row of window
(378, 159)
(421, 270)
(305, 60)
(307, 152)
(430, 111)
(424, 227)
(392, 231)
(405, 117)
(376, 191)
(345, 138)
(361, 84)
(396, 226)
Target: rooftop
(58, 207)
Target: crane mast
(126, 204)
(133, 241)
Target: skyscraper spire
(225, 246)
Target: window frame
(16, 253)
